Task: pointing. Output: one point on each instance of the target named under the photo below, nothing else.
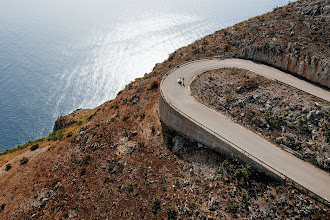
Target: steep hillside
(119, 162)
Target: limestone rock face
(290, 54)
(312, 68)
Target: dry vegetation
(122, 163)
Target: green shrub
(34, 147)
(155, 205)
(130, 188)
(233, 207)
(115, 105)
(74, 140)
(2, 207)
(8, 166)
(60, 135)
(90, 117)
(229, 98)
(244, 171)
(52, 136)
(24, 160)
(152, 127)
(69, 134)
(80, 122)
(142, 115)
(172, 212)
(125, 117)
(141, 145)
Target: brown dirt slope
(119, 162)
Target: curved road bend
(302, 172)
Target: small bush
(152, 127)
(156, 205)
(112, 169)
(130, 188)
(141, 146)
(69, 134)
(172, 212)
(2, 207)
(80, 122)
(229, 98)
(60, 135)
(34, 147)
(154, 85)
(90, 117)
(125, 117)
(86, 158)
(74, 140)
(24, 160)
(8, 166)
(115, 105)
(142, 115)
(83, 171)
(233, 207)
(52, 137)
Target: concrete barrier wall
(187, 127)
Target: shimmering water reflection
(57, 56)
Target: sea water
(59, 55)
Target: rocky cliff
(312, 68)
(291, 55)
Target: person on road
(179, 81)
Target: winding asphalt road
(302, 172)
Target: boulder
(291, 138)
(305, 110)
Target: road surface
(312, 178)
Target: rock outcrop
(310, 67)
(290, 54)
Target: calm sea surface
(57, 56)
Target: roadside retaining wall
(175, 120)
